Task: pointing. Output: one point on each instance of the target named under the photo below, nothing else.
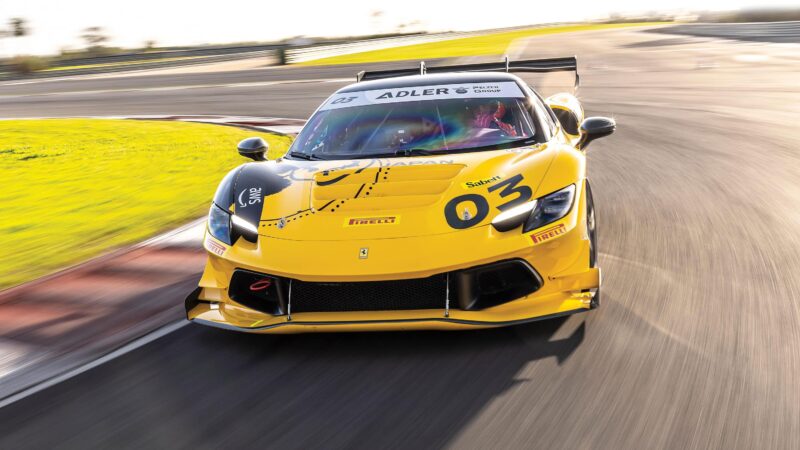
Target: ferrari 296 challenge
(431, 198)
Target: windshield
(424, 119)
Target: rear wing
(567, 64)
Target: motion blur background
(111, 148)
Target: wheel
(591, 227)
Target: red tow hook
(261, 285)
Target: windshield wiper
(424, 152)
(305, 156)
(520, 142)
(413, 152)
(400, 152)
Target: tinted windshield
(440, 118)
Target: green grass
(75, 188)
(489, 44)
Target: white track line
(127, 348)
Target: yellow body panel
(315, 228)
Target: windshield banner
(418, 93)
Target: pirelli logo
(548, 233)
(214, 247)
(363, 221)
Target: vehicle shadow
(203, 387)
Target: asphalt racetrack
(696, 344)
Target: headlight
(228, 227)
(550, 208)
(219, 223)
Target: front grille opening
(494, 284)
(258, 291)
(420, 293)
(471, 289)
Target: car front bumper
(560, 260)
(557, 296)
(528, 309)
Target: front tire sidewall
(591, 231)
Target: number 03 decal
(343, 100)
(509, 187)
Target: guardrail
(166, 53)
(7, 73)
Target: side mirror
(254, 148)
(594, 128)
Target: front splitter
(380, 325)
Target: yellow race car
(433, 198)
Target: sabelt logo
(481, 182)
(361, 221)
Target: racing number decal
(458, 222)
(343, 100)
(507, 188)
(510, 187)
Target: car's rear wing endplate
(567, 64)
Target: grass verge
(75, 188)
(488, 44)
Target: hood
(386, 198)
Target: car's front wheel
(591, 228)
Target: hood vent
(390, 187)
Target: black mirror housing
(594, 128)
(254, 148)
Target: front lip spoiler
(478, 323)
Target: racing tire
(591, 229)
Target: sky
(57, 24)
